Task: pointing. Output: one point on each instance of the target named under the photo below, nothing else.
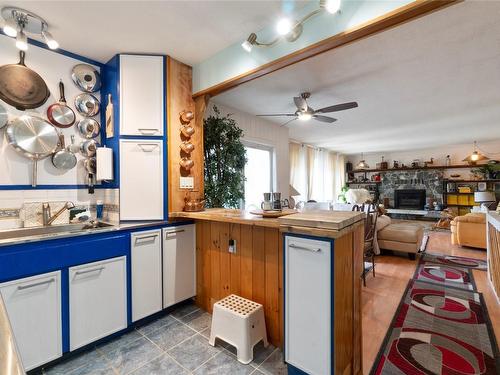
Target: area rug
(454, 261)
(443, 274)
(439, 330)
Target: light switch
(232, 246)
(187, 183)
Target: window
(258, 174)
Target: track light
(10, 28)
(21, 41)
(284, 26)
(331, 6)
(249, 43)
(51, 42)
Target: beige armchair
(469, 230)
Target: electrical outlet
(232, 246)
(187, 183)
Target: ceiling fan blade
(337, 107)
(300, 103)
(289, 121)
(324, 119)
(278, 115)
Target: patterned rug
(439, 330)
(440, 273)
(454, 261)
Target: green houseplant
(225, 159)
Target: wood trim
(398, 16)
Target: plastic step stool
(239, 322)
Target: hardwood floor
(383, 293)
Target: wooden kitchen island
(256, 269)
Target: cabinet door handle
(144, 146)
(148, 130)
(298, 247)
(174, 232)
(27, 286)
(99, 269)
(145, 237)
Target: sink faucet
(48, 219)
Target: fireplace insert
(411, 199)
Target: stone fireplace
(410, 199)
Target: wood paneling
(254, 271)
(403, 14)
(494, 258)
(358, 244)
(179, 98)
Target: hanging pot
(187, 147)
(60, 114)
(90, 165)
(87, 105)
(89, 128)
(89, 148)
(22, 87)
(86, 77)
(64, 158)
(4, 116)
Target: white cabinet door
(141, 95)
(308, 305)
(97, 300)
(146, 273)
(141, 179)
(34, 308)
(179, 264)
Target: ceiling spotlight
(284, 26)
(10, 28)
(331, 6)
(21, 41)
(304, 116)
(248, 44)
(51, 42)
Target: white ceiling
(189, 31)
(430, 82)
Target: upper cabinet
(141, 95)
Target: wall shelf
(461, 166)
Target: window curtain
(317, 174)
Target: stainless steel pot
(86, 77)
(64, 158)
(4, 117)
(89, 128)
(87, 105)
(89, 148)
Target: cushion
(401, 232)
(357, 196)
(479, 218)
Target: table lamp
(484, 197)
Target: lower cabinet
(97, 300)
(179, 264)
(34, 308)
(146, 273)
(308, 305)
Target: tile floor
(174, 344)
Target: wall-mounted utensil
(89, 128)
(73, 147)
(60, 114)
(87, 105)
(64, 158)
(90, 167)
(22, 87)
(33, 137)
(88, 148)
(186, 163)
(110, 127)
(187, 130)
(187, 147)
(86, 77)
(4, 116)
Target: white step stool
(239, 322)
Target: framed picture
(482, 186)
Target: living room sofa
(469, 230)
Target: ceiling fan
(304, 112)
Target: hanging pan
(87, 105)
(4, 116)
(33, 137)
(22, 87)
(60, 114)
(64, 158)
(86, 77)
(89, 128)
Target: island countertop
(225, 215)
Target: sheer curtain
(317, 174)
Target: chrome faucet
(48, 219)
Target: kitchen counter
(224, 215)
(114, 227)
(10, 360)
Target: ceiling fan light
(331, 6)
(51, 42)
(21, 41)
(10, 28)
(284, 26)
(304, 116)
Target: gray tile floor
(176, 343)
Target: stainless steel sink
(51, 229)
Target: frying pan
(86, 77)
(59, 113)
(33, 137)
(22, 87)
(4, 117)
(89, 128)
(64, 158)
(87, 105)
